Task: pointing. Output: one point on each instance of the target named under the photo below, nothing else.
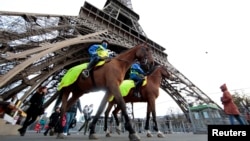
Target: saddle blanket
(72, 74)
(126, 86)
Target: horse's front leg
(92, 125)
(122, 105)
(155, 126)
(147, 123)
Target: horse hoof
(108, 135)
(160, 135)
(60, 136)
(149, 135)
(134, 137)
(93, 137)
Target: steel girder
(37, 49)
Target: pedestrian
(37, 127)
(87, 111)
(42, 123)
(35, 109)
(111, 122)
(53, 122)
(139, 125)
(70, 115)
(229, 106)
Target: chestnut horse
(107, 77)
(149, 93)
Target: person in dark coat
(53, 121)
(35, 109)
(229, 106)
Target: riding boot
(90, 66)
(136, 91)
(22, 131)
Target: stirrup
(137, 94)
(85, 73)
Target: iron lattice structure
(37, 49)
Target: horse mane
(122, 53)
(152, 69)
(127, 51)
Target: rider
(137, 75)
(97, 52)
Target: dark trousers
(29, 120)
(85, 126)
(31, 117)
(47, 130)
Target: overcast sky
(207, 41)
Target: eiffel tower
(37, 49)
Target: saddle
(72, 74)
(126, 86)
(97, 66)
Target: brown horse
(149, 93)
(107, 77)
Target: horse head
(144, 55)
(166, 73)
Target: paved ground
(31, 136)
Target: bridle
(170, 76)
(143, 61)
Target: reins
(155, 75)
(122, 60)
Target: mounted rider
(137, 74)
(97, 52)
